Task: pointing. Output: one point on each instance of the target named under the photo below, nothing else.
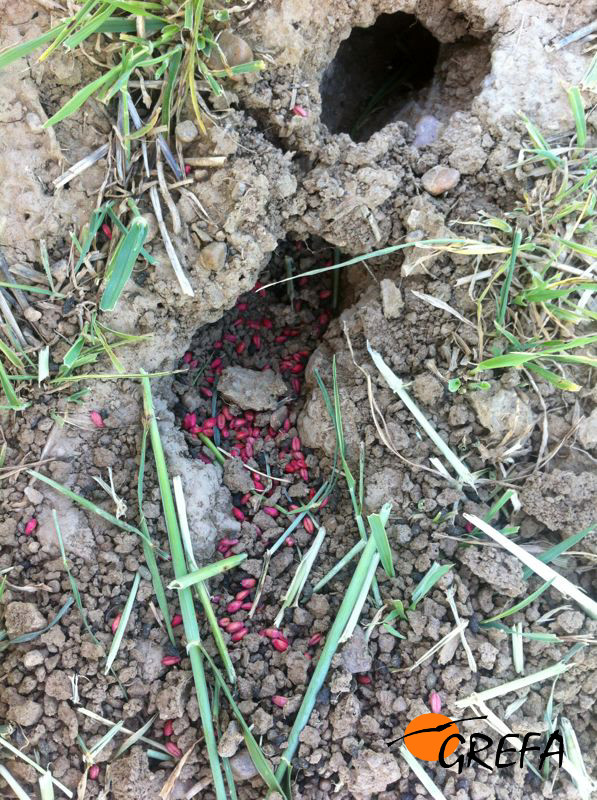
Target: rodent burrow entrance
(397, 70)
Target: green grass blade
(505, 290)
(24, 287)
(434, 574)
(10, 54)
(191, 628)
(148, 550)
(553, 552)
(257, 757)
(578, 112)
(73, 584)
(121, 264)
(84, 503)
(200, 588)
(325, 659)
(519, 606)
(46, 787)
(13, 401)
(126, 613)
(11, 356)
(16, 787)
(81, 96)
(554, 378)
(354, 551)
(24, 638)
(377, 523)
(397, 386)
(204, 573)
(134, 737)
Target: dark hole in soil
(397, 70)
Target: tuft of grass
(174, 48)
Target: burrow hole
(397, 70)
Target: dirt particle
(250, 389)
(230, 740)
(24, 712)
(502, 571)
(391, 299)
(345, 716)
(371, 773)
(563, 501)
(20, 618)
(171, 700)
(504, 411)
(428, 389)
(355, 653)
(58, 685)
(213, 256)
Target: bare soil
(299, 186)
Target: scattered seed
(168, 729)
(280, 645)
(94, 772)
(234, 606)
(435, 702)
(224, 622)
(97, 419)
(115, 623)
(247, 606)
(174, 751)
(234, 627)
(243, 594)
(271, 511)
(240, 516)
(314, 640)
(248, 583)
(240, 635)
(272, 633)
(364, 680)
(170, 661)
(308, 525)
(30, 526)
(176, 620)
(107, 230)
(299, 111)
(279, 701)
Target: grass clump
(172, 45)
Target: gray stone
(355, 653)
(251, 389)
(391, 299)
(213, 256)
(242, 766)
(186, 131)
(439, 180)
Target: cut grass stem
(185, 596)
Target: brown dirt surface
(306, 189)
